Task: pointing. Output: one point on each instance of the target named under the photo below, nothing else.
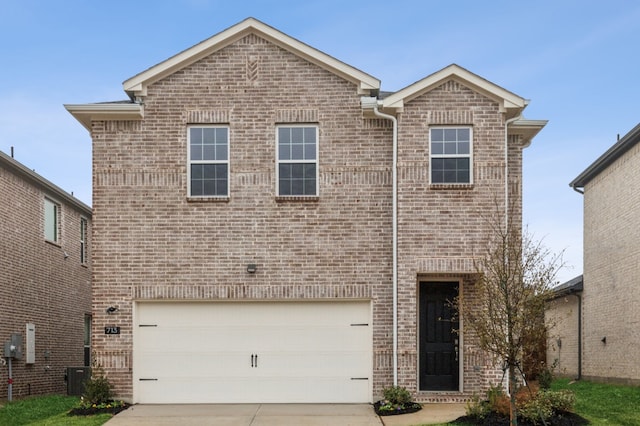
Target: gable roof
(574, 285)
(27, 174)
(627, 142)
(137, 85)
(508, 101)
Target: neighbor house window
(83, 240)
(87, 340)
(450, 155)
(208, 161)
(51, 220)
(297, 155)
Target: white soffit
(137, 85)
(506, 99)
(85, 113)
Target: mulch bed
(563, 418)
(92, 411)
(412, 408)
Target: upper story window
(83, 240)
(51, 220)
(451, 155)
(297, 153)
(208, 161)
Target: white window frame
(314, 161)
(49, 202)
(444, 155)
(191, 162)
(84, 240)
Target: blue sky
(577, 61)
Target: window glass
(450, 153)
(209, 161)
(51, 211)
(297, 165)
(83, 240)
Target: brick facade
(39, 284)
(611, 270)
(153, 242)
(562, 349)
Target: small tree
(515, 276)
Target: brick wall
(152, 242)
(611, 271)
(562, 344)
(442, 229)
(38, 285)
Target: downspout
(579, 335)
(506, 190)
(373, 104)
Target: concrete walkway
(248, 415)
(279, 415)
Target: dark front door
(439, 360)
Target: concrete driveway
(248, 415)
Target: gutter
(370, 103)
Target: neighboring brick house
(45, 279)
(611, 294)
(563, 316)
(247, 215)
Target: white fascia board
(528, 129)
(506, 99)
(137, 85)
(86, 113)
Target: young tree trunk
(513, 388)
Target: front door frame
(453, 282)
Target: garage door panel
(204, 352)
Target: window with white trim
(451, 155)
(208, 161)
(83, 240)
(51, 220)
(297, 154)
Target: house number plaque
(112, 330)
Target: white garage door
(235, 352)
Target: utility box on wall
(13, 348)
(30, 357)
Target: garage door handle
(251, 360)
(254, 360)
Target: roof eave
(605, 160)
(528, 129)
(38, 180)
(137, 85)
(509, 102)
(86, 113)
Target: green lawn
(599, 403)
(48, 410)
(602, 404)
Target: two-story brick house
(272, 229)
(609, 318)
(45, 280)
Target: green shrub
(545, 378)
(397, 395)
(562, 400)
(536, 409)
(477, 408)
(97, 390)
(545, 404)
